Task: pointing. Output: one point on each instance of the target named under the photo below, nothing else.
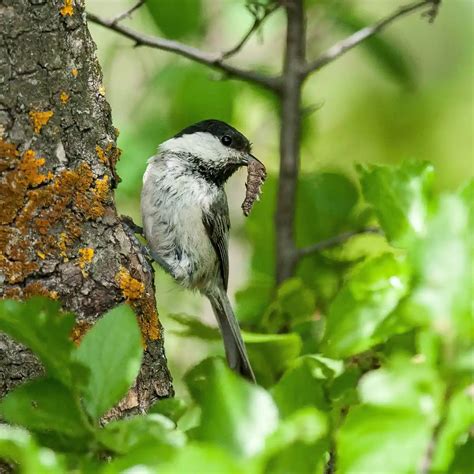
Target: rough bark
(60, 234)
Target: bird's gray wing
(217, 224)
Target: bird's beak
(248, 158)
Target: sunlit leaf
(442, 296)
(400, 408)
(374, 437)
(455, 429)
(19, 446)
(298, 444)
(123, 436)
(235, 414)
(112, 351)
(400, 197)
(370, 294)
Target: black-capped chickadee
(186, 218)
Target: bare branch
(259, 19)
(335, 241)
(290, 137)
(213, 60)
(353, 40)
(127, 13)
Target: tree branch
(338, 49)
(259, 19)
(213, 60)
(127, 13)
(335, 241)
(290, 137)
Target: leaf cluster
(364, 359)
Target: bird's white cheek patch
(200, 144)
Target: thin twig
(256, 24)
(213, 60)
(335, 241)
(353, 40)
(127, 13)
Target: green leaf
(305, 424)
(144, 457)
(172, 408)
(17, 445)
(400, 197)
(462, 461)
(193, 327)
(39, 324)
(443, 264)
(454, 430)
(236, 415)
(303, 385)
(293, 303)
(373, 436)
(371, 293)
(271, 354)
(45, 405)
(198, 458)
(124, 436)
(296, 446)
(404, 383)
(401, 407)
(112, 351)
(177, 18)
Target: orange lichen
(132, 288)
(8, 155)
(108, 155)
(86, 255)
(36, 288)
(102, 90)
(102, 188)
(64, 97)
(29, 167)
(74, 72)
(147, 318)
(39, 223)
(67, 9)
(101, 154)
(40, 118)
(79, 330)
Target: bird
(186, 222)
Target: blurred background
(406, 95)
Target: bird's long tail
(236, 353)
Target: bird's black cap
(220, 130)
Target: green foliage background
(367, 351)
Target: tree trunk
(60, 234)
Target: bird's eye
(226, 140)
